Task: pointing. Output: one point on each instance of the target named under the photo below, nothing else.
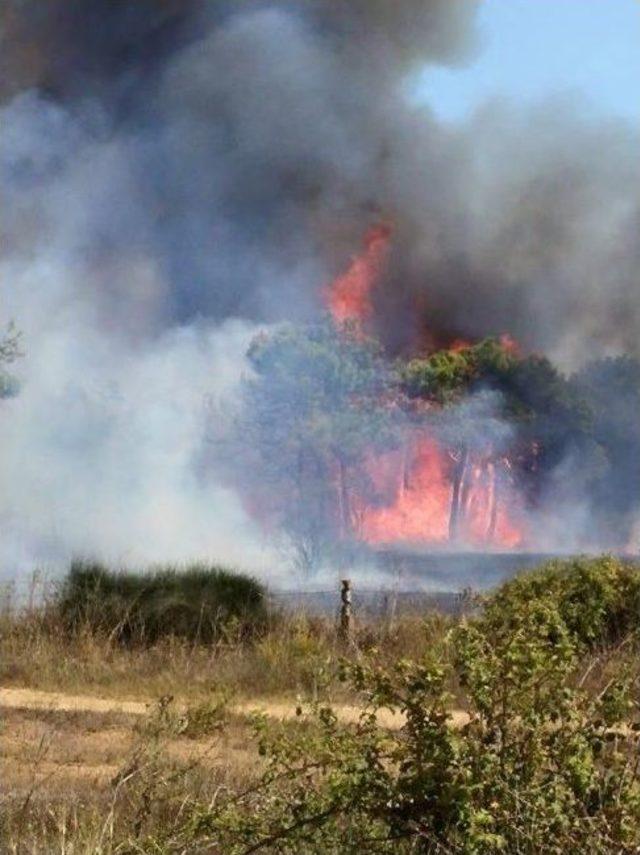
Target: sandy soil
(53, 742)
(33, 699)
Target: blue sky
(534, 48)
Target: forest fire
(444, 497)
(349, 295)
(476, 446)
(433, 494)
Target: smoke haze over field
(176, 175)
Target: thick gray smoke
(176, 174)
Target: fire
(417, 509)
(349, 296)
(441, 497)
(424, 493)
(510, 345)
(459, 345)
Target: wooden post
(346, 612)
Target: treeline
(323, 401)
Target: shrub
(199, 603)
(597, 598)
(538, 766)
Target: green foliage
(196, 721)
(597, 598)
(533, 390)
(315, 406)
(537, 765)
(322, 385)
(441, 377)
(446, 375)
(199, 603)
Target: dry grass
(295, 657)
(110, 783)
(86, 782)
(96, 782)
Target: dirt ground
(33, 699)
(49, 752)
(53, 743)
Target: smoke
(543, 245)
(105, 464)
(177, 174)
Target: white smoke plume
(177, 174)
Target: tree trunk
(343, 501)
(493, 502)
(458, 478)
(406, 468)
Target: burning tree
(474, 445)
(460, 447)
(543, 422)
(456, 483)
(348, 446)
(313, 411)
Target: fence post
(346, 612)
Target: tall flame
(440, 497)
(349, 297)
(424, 493)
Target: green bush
(198, 603)
(537, 765)
(597, 598)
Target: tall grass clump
(200, 603)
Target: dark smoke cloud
(251, 137)
(60, 44)
(69, 48)
(542, 242)
(256, 142)
(190, 165)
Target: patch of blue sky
(535, 49)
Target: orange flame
(459, 345)
(424, 493)
(418, 510)
(423, 505)
(349, 295)
(510, 345)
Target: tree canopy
(321, 401)
(323, 386)
(316, 405)
(611, 389)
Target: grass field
(64, 759)
(115, 744)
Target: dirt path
(34, 699)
